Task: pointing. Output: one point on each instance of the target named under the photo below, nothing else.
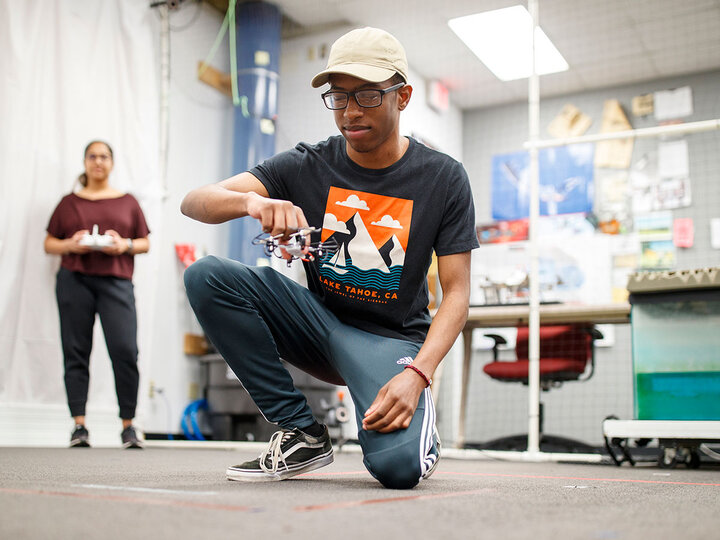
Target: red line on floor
(540, 477)
(629, 480)
(335, 473)
(350, 504)
(134, 500)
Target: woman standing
(95, 277)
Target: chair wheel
(667, 459)
(693, 460)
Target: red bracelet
(428, 382)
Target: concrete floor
(165, 492)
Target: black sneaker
(289, 453)
(80, 437)
(130, 438)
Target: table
(507, 316)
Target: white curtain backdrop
(72, 71)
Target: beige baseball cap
(367, 53)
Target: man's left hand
(395, 403)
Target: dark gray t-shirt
(386, 222)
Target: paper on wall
(617, 153)
(643, 105)
(669, 193)
(673, 159)
(571, 122)
(653, 190)
(683, 232)
(715, 233)
(625, 253)
(673, 104)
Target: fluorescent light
(501, 39)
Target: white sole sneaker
(289, 453)
(239, 474)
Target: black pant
(79, 298)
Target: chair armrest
(595, 334)
(499, 340)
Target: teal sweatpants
(255, 316)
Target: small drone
(297, 245)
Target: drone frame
(295, 245)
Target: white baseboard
(50, 425)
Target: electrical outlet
(151, 390)
(193, 391)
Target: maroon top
(122, 214)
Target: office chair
(567, 353)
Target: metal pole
(259, 26)
(533, 444)
(164, 96)
(656, 131)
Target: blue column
(258, 57)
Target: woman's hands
(119, 245)
(73, 244)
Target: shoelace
(274, 451)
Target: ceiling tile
(683, 32)
(618, 71)
(648, 10)
(606, 42)
(672, 61)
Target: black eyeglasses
(336, 100)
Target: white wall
(72, 72)
(101, 81)
(200, 140)
(200, 152)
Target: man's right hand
(276, 216)
(240, 196)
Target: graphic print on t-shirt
(371, 232)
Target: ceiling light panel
(501, 40)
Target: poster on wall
(660, 180)
(673, 104)
(503, 231)
(671, 193)
(566, 182)
(673, 187)
(510, 189)
(571, 122)
(657, 255)
(683, 232)
(571, 269)
(715, 233)
(654, 226)
(614, 197)
(655, 231)
(616, 153)
(565, 225)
